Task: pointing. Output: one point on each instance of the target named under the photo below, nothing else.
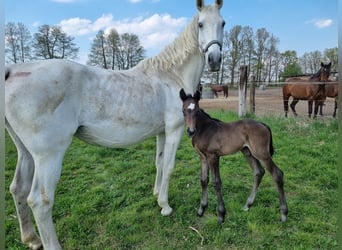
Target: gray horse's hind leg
(258, 172)
(20, 189)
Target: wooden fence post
(252, 96)
(243, 91)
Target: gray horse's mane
(176, 52)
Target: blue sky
(301, 25)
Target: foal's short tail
(271, 148)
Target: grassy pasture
(104, 198)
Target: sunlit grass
(104, 198)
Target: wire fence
(268, 101)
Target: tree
(130, 52)
(98, 55)
(290, 62)
(332, 56)
(261, 38)
(114, 51)
(271, 56)
(51, 42)
(113, 41)
(234, 42)
(18, 43)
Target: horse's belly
(117, 136)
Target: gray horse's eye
(200, 24)
(223, 24)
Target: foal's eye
(200, 24)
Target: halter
(205, 50)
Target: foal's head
(190, 110)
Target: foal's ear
(182, 95)
(197, 96)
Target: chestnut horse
(218, 88)
(213, 139)
(304, 89)
(331, 90)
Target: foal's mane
(208, 116)
(176, 52)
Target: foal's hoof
(283, 218)
(200, 212)
(220, 221)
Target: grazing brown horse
(331, 90)
(213, 138)
(218, 88)
(303, 89)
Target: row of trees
(241, 46)
(49, 42)
(112, 51)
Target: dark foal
(213, 139)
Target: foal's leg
(258, 172)
(214, 163)
(293, 106)
(159, 162)
(204, 185)
(20, 188)
(277, 175)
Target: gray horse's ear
(182, 95)
(200, 4)
(197, 96)
(219, 3)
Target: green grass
(104, 197)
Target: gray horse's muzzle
(214, 57)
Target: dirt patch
(267, 102)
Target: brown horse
(218, 88)
(303, 89)
(331, 90)
(213, 139)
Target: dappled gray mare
(213, 138)
(48, 102)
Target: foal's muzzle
(191, 132)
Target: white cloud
(320, 23)
(154, 31)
